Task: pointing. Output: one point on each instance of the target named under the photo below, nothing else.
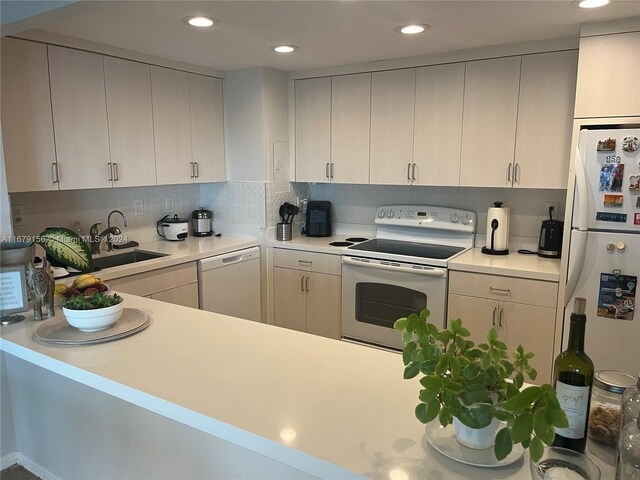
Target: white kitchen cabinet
(185, 295)
(27, 124)
(172, 126)
(545, 120)
(350, 128)
(438, 124)
(308, 292)
(609, 76)
(523, 312)
(130, 115)
(392, 121)
(313, 129)
(79, 118)
(489, 122)
(207, 129)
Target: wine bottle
(573, 377)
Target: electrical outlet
(169, 205)
(18, 215)
(555, 205)
(138, 207)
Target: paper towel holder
(494, 224)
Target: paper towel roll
(501, 237)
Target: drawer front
(155, 281)
(507, 289)
(307, 261)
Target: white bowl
(94, 320)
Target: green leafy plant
(477, 383)
(92, 301)
(67, 247)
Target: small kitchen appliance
(318, 221)
(202, 222)
(497, 241)
(173, 229)
(550, 245)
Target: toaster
(318, 220)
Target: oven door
(376, 293)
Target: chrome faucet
(109, 240)
(96, 238)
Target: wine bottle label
(575, 402)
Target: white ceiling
(328, 32)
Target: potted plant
(478, 385)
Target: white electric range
(402, 270)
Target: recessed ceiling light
(200, 21)
(589, 3)
(412, 29)
(284, 48)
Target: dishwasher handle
(227, 259)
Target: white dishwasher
(230, 284)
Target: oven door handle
(432, 272)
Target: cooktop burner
(410, 249)
(356, 239)
(341, 244)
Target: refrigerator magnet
(634, 183)
(617, 296)
(636, 218)
(611, 200)
(608, 145)
(630, 143)
(611, 217)
(611, 177)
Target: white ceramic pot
(476, 438)
(94, 320)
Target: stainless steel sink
(126, 258)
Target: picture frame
(13, 289)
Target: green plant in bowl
(478, 383)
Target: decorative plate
(443, 439)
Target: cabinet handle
(191, 168)
(109, 173)
(196, 169)
(516, 173)
(408, 172)
(413, 172)
(500, 291)
(500, 322)
(306, 262)
(331, 170)
(302, 283)
(54, 173)
(306, 284)
(326, 169)
(509, 172)
(116, 175)
(493, 321)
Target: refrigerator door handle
(576, 262)
(581, 189)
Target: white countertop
(313, 244)
(512, 265)
(254, 384)
(188, 250)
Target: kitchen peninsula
(202, 395)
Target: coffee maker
(550, 245)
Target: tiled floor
(17, 472)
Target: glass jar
(628, 464)
(631, 403)
(606, 405)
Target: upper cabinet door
(489, 122)
(609, 76)
(27, 126)
(392, 115)
(79, 118)
(350, 128)
(172, 125)
(438, 124)
(313, 129)
(207, 128)
(129, 110)
(545, 120)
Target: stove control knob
(381, 214)
(391, 213)
(454, 218)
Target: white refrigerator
(604, 255)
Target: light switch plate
(138, 207)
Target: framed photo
(13, 289)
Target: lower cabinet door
(185, 295)
(290, 298)
(324, 305)
(533, 328)
(478, 315)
